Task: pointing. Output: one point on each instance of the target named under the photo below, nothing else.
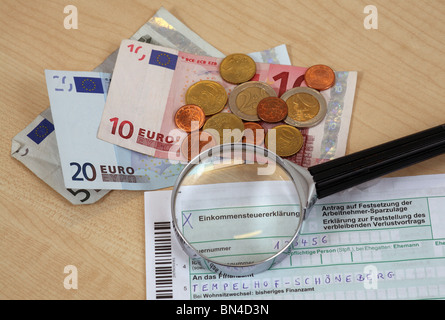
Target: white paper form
(381, 240)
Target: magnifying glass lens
(238, 208)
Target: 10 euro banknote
(149, 86)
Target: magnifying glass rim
(236, 147)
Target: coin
(209, 95)
(189, 118)
(288, 140)
(195, 143)
(253, 133)
(237, 68)
(320, 77)
(306, 107)
(225, 127)
(243, 101)
(272, 109)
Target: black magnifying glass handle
(348, 171)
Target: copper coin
(272, 109)
(253, 133)
(196, 142)
(320, 77)
(190, 118)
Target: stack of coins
(250, 103)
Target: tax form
(381, 240)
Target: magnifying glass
(237, 208)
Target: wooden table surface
(400, 90)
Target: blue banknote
(77, 100)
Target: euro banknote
(149, 85)
(36, 147)
(77, 100)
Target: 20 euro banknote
(77, 100)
